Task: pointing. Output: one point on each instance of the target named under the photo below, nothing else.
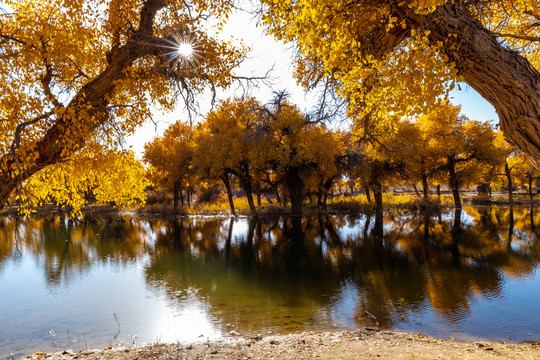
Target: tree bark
(454, 182)
(416, 189)
(425, 187)
(258, 192)
(377, 192)
(227, 183)
(366, 190)
(245, 182)
(530, 187)
(499, 74)
(295, 185)
(508, 174)
(176, 191)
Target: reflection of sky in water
(84, 310)
(53, 298)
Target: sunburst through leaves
(185, 51)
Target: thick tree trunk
(295, 185)
(425, 187)
(227, 183)
(258, 192)
(439, 191)
(530, 188)
(454, 182)
(377, 192)
(176, 191)
(416, 189)
(366, 190)
(500, 75)
(508, 174)
(245, 182)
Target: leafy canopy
(89, 71)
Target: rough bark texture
(500, 75)
(454, 182)
(245, 183)
(227, 183)
(295, 186)
(425, 187)
(530, 188)
(508, 174)
(176, 191)
(377, 192)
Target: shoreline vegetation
(162, 205)
(360, 344)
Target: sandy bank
(342, 345)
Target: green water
(123, 280)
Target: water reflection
(459, 273)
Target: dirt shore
(343, 345)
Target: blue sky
(473, 105)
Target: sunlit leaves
(82, 71)
(94, 175)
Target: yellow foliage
(109, 176)
(89, 71)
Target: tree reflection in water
(290, 274)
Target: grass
(336, 204)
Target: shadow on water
(433, 272)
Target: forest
(79, 77)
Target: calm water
(106, 281)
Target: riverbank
(364, 344)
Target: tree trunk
(366, 190)
(439, 191)
(454, 182)
(425, 187)
(508, 174)
(377, 192)
(225, 179)
(416, 190)
(176, 191)
(245, 182)
(258, 192)
(320, 197)
(530, 188)
(499, 74)
(295, 185)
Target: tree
(525, 172)
(107, 176)
(228, 142)
(75, 72)
(296, 147)
(358, 47)
(383, 152)
(508, 162)
(457, 146)
(171, 159)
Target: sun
(185, 49)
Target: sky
(268, 53)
